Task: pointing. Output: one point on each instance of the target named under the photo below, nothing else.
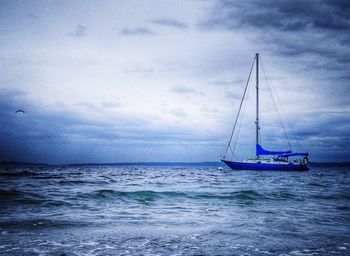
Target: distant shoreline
(186, 164)
(14, 163)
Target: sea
(173, 210)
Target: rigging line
(274, 104)
(276, 108)
(288, 121)
(283, 109)
(279, 116)
(231, 151)
(239, 127)
(240, 106)
(233, 154)
(241, 120)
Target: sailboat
(266, 160)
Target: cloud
(139, 69)
(186, 90)
(79, 31)
(178, 112)
(87, 105)
(61, 135)
(104, 107)
(136, 31)
(170, 23)
(329, 134)
(326, 138)
(147, 69)
(289, 15)
(207, 110)
(12, 93)
(73, 113)
(291, 28)
(109, 104)
(237, 81)
(12, 99)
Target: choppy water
(173, 211)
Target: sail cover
(261, 151)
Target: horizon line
(159, 163)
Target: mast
(257, 100)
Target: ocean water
(174, 210)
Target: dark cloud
(47, 134)
(58, 135)
(136, 31)
(329, 134)
(290, 27)
(319, 132)
(170, 23)
(12, 93)
(79, 31)
(315, 35)
(12, 99)
(326, 138)
(288, 15)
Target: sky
(147, 81)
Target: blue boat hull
(264, 166)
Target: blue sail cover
(261, 151)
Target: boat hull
(265, 166)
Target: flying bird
(19, 111)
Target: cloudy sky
(125, 81)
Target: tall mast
(257, 99)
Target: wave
(15, 195)
(240, 195)
(149, 195)
(343, 196)
(247, 195)
(27, 198)
(22, 173)
(40, 223)
(72, 182)
(30, 174)
(142, 195)
(283, 195)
